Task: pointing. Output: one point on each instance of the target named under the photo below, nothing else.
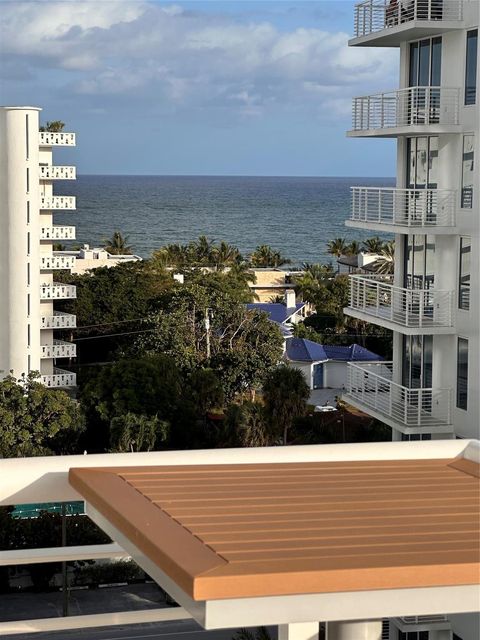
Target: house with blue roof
(325, 366)
(283, 313)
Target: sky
(198, 87)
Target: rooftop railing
(57, 232)
(376, 296)
(60, 379)
(404, 207)
(57, 291)
(58, 349)
(56, 172)
(64, 203)
(371, 385)
(407, 107)
(54, 138)
(375, 15)
(59, 320)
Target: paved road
(178, 630)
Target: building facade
(431, 301)
(28, 262)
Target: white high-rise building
(431, 301)
(27, 260)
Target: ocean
(297, 216)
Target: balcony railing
(59, 320)
(57, 291)
(52, 172)
(427, 106)
(370, 385)
(57, 262)
(57, 232)
(419, 308)
(57, 139)
(375, 15)
(60, 379)
(63, 203)
(58, 349)
(404, 207)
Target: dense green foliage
(285, 393)
(35, 420)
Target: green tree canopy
(246, 425)
(285, 393)
(35, 420)
(54, 126)
(134, 432)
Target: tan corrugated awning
(248, 530)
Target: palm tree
(265, 256)
(225, 255)
(373, 245)
(117, 244)
(285, 394)
(337, 247)
(202, 250)
(55, 126)
(386, 261)
(353, 249)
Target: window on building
(28, 243)
(462, 373)
(28, 273)
(28, 304)
(467, 172)
(471, 67)
(28, 334)
(464, 274)
(412, 635)
(416, 436)
(28, 211)
(28, 180)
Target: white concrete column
(357, 630)
(299, 631)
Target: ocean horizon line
(213, 175)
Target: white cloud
(184, 59)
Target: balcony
(60, 379)
(58, 349)
(57, 203)
(59, 320)
(51, 172)
(57, 291)
(382, 23)
(370, 389)
(409, 111)
(409, 311)
(48, 263)
(57, 232)
(56, 139)
(403, 210)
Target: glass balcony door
(425, 68)
(422, 172)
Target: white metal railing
(60, 378)
(57, 232)
(58, 349)
(48, 203)
(53, 138)
(375, 15)
(57, 262)
(404, 207)
(376, 296)
(57, 291)
(407, 107)
(59, 320)
(54, 172)
(371, 385)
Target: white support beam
(355, 630)
(62, 554)
(95, 620)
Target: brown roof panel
(226, 531)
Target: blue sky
(223, 88)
